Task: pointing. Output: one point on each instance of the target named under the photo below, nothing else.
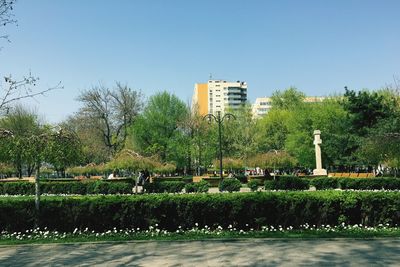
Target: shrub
(253, 185)
(190, 188)
(162, 187)
(102, 213)
(322, 183)
(369, 183)
(230, 185)
(76, 187)
(200, 187)
(203, 186)
(287, 183)
(17, 188)
(241, 177)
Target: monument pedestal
(320, 172)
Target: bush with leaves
(287, 183)
(200, 187)
(370, 183)
(164, 187)
(253, 185)
(182, 211)
(323, 183)
(230, 185)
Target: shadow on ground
(249, 252)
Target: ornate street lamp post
(218, 119)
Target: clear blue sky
(317, 46)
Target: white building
(219, 95)
(264, 104)
(261, 106)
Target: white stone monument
(317, 142)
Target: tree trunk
(37, 196)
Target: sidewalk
(244, 252)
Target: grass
(43, 236)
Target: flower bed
(156, 233)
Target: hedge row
(356, 183)
(323, 183)
(81, 188)
(170, 211)
(200, 187)
(287, 183)
(164, 187)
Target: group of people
(143, 177)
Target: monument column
(318, 159)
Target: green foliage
(164, 187)
(272, 159)
(157, 130)
(253, 185)
(356, 183)
(272, 130)
(171, 211)
(241, 177)
(17, 188)
(370, 183)
(288, 99)
(323, 183)
(327, 116)
(366, 109)
(287, 183)
(238, 135)
(200, 187)
(230, 185)
(76, 187)
(63, 150)
(6, 169)
(18, 150)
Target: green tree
(272, 130)
(327, 116)
(23, 123)
(63, 150)
(158, 130)
(365, 109)
(239, 134)
(287, 99)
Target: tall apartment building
(264, 104)
(218, 95)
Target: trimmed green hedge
(170, 211)
(356, 183)
(253, 185)
(200, 187)
(164, 187)
(287, 183)
(323, 183)
(81, 188)
(230, 185)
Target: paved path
(247, 252)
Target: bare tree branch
(6, 16)
(14, 90)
